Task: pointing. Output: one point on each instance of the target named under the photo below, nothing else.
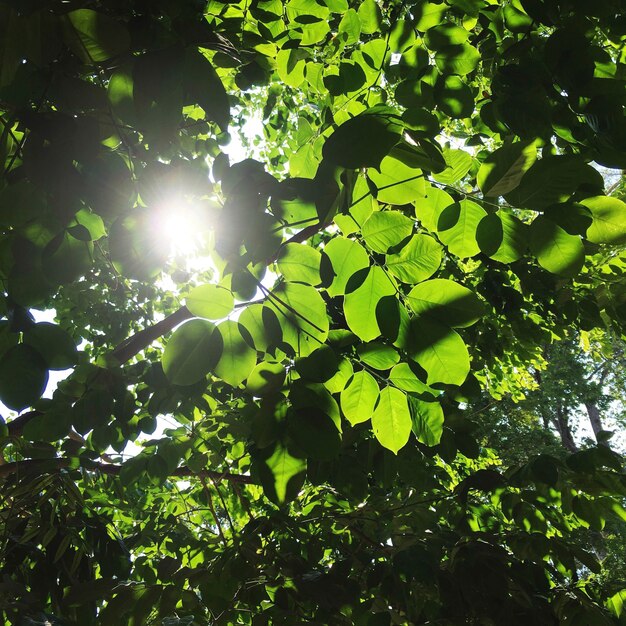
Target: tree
(420, 221)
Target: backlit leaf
(391, 421)
(191, 352)
(210, 301)
(446, 301)
(238, 358)
(385, 229)
(361, 302)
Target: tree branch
(57, 464)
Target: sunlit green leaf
(210, 301)
(191, 352)
(427, 420)
(446, 301)
(391, 420)
(385, 229)
(416, 261)
(370, 289)
(300, 263)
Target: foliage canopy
(422, 217)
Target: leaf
(301, 313)
(431, 205)
(203, 84)
(210, 301)
(385, 229)
(556, 250)
(403, 377)
(447, 302)
(439, 350)
(551, 180)
(54, 344)
(300, 263)
(364, 140)
(265, 378)
(502, 236)
(23, 377)
(378, 355)
(397, 182)
(238, 358)
(416, 261)
(369, 16)
(453, 97)
(427, 419)
(96, 37)
(457, 226)
(458, 163)
(457, 59)
(282, 474)
(362, 301)
(504, 168)
(427, 14)
(347, 257)
(359, 397)
(609, 220)
(191, 352)
(391, 420)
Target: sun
(181, 227)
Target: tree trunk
(595, 420)
(564, 431)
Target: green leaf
(391, 420)
(318, 366)
(416, 261)
(439, 350)
(301, 313)
(502, 236)
(290, 64)
(364, 140)
(23, 377)
(134, 244)
(282, 474)
(458, 59)
(429, 208)
(347, 257)
(447, 302)
(403, 377)
(378, 355)
(556, 250)
(238, 358)
(551, 180)
(428, 14)
(54, 344)
(265, 378)
(201, 82)
(385, 229)
(609, 220)
(96, 37)
(453, 97)
(369, 17)
(262, 327)
(210, 301)
(314, 432)
(427, 418)
(191, 352)
(362, 300)
(397, 182)
(350, 27)
(359, 398)
(458, 163)
(457, 226)
(503, 169)
(298, 262)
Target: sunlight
(181, 228)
